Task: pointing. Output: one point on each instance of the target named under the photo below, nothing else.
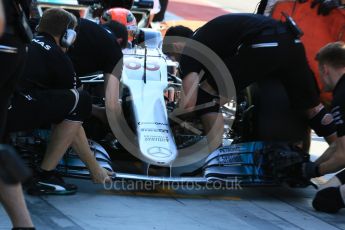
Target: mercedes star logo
(159, 152)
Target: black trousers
(11, 67)
(160, 16)
(276, 56)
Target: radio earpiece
(68, 37)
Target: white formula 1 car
(152, 143)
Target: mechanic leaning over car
(48, 93)
(253, 47)
(12, 58)
(176, 48)
(173, 51)
(331, 196)
(97, 49)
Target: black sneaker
(52, 185)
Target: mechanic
(159, 17)
(97, 50)
(324, 6)
(119, 31)
(155, 10)
(331, 196)
(179, 31)
(12, 59)
(249, 43)
(176, 47)
(49, 93)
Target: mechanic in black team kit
(12, 60)
(331, 196)
(98, 49)
(253, 47)
(49, 94)
(95, 50)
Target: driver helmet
(124, 17)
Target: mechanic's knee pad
(206, 103)
(328, 200)
(83, 107)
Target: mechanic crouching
(331, 196)
(49, 94)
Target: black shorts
(44, 107)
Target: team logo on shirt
(338, 118)
(327, 119)
(45, 46)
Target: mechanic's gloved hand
(310, 170)
(325, 6)
(328, 200)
